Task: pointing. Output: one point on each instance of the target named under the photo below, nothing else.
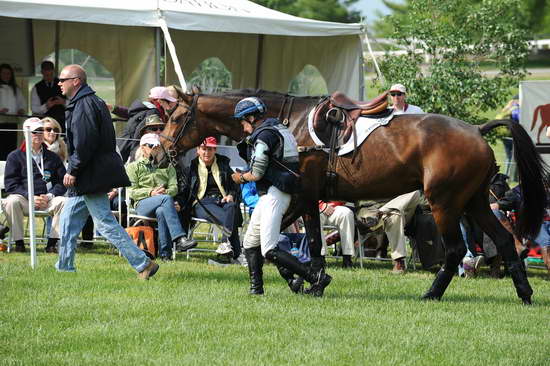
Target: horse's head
(196, 117)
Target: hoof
(527, 301)
(430, 297)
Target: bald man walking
(94, 169)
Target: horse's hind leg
(455, 250)
(478, 208)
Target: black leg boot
(318, 278)
(3, 231)
(20, 246)
(51, 246)
(442, 280)
(519, 276)
(255, 270)
(346, 261)
(296, 285)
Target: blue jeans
(74, 216)
(543, 237)
(169, 225)
(226, 214)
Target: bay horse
(444, 157)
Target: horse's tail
(535, 115)
(533, 177)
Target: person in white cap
(48, 173)
(159, 103)
(152, 191)
(398, 95)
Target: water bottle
(295, 251)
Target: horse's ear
(196, 89)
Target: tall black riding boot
(296, 285)
(255, 270)
(519, 276)
(318, 278)
(442, 280)
(346, 261)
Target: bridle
(189, 118)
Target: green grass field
(191, 313)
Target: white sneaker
(240, 260)
(224, 248)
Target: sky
(368, 7)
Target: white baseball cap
(398, 88)
(33, 124)
(160, 92)
(149, 139)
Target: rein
(189, 118)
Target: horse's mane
(261, 93)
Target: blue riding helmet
(248, 106)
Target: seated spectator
(394, 216)
(152, 192)
(511, 202)
(54, 143)
(209, 190)
(153, 124)
(11, 98)
(48, 173)
(475, 238)
(160, 102)
(336, 214)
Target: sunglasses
(149, 145)
(62, 80)
(37, 132)
(50, 129)
(396, 94)
(155, 129)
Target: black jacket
(189, 184)
(15, 174)
(511, 200)
(91, 143)
(137, 113)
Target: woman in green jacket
(152, 191)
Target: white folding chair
(211, 235)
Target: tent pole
(361, 74)
(56, 46)
(259, 59)
(365, 39)
(172, 50)
(30, 186)
(157, 56)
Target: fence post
(30, 184)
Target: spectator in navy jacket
(48, 172)
(94, 169)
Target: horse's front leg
(312, 224)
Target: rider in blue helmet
(271, 152)
(249, 106)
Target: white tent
(262, 48)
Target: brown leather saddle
(342, 110)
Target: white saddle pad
(364, 127)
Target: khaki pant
(16, 207)
(344, 219)
(399, 211)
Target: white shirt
(8, 100)
(36, 107)
(409, 109)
